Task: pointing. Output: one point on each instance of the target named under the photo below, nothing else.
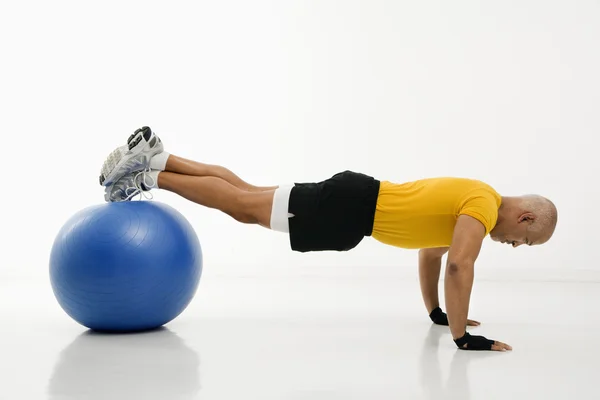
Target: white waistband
(280, 210)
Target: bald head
(545, 215)
(529, 219)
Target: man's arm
(466, 244)
(430, 264)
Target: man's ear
(527, 217)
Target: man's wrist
(462, 340)
(432, 307)
(436, 313)
(459, 335)
(438, 317)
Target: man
(437, 216)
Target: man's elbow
(456, 267)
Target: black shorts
(335, 214)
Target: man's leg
(214, 192)
(145, 151)
(172, 163)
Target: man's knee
(253, 208)
(243, 216)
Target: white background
(289, 91)
(286, 91)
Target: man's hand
(470, 342)
(439, 317)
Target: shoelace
(137, 189)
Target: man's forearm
(457, 286)
(429, 276)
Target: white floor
(308, 337)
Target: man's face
(515, 234)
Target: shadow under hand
(457, 385)
(430, 369)
(149, 365)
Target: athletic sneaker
(135, 156)
(129, 186)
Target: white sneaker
(129, 186)
(135, 156)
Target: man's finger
(495, 347)
(473, 323)
(499, 346)
(506, 346)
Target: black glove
(439, 317)
(474, 342)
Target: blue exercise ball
(126, 266)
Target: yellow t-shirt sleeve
(484, 208)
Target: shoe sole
(115, 160)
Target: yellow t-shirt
(423, 213)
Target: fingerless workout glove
(474, 342)
(439, 317)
